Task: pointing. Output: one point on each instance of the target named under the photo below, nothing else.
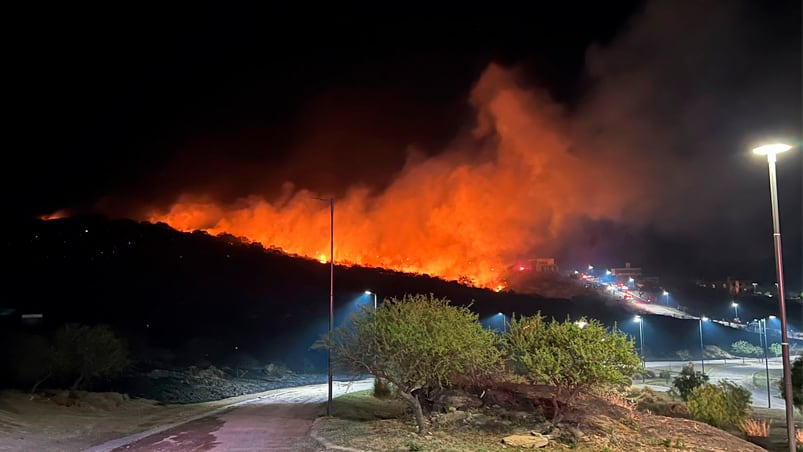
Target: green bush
(665, 375)
(687, 381)
(797, 384)
(417, 342)
(721, 405)
(569, 357)
(744, 348)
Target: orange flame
(456, 217)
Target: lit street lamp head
(771, 150)
(637, 318)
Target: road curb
(328, 445)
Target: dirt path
(279, 421)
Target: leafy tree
(775, 349)
(88, 352)
(744, 348)
(797, 384)
(570, 357)
(416, 342)
(722, 405)
(687, 381)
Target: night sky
(655, 106)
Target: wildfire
(450, 215)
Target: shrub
(418, 342)
(665, 375)
(687, 381)
(797, 384)
(569, 357)
(775, 349)
(756, 427)
(744, 348)
(721, 405)
(87, 353)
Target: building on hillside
(544, 265)
(626, 272)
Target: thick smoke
(508, 191)
(659, 140)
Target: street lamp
(331, 202)
(368, 292)
(702, 349)
(503, 321)
(638, 319)
(581, 324)
(772, 151)
(736, 308)
(666, 297)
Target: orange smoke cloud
(505, 194)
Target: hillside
(210, 296)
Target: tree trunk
(556, 414)
(42, 380)
(417, 411)
(77, 382)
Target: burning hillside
(508, 190)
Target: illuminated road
(278, 420)
(735, 371)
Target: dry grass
(799, 437)
(758, 428)
(618, 399)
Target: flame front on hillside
(469, 213)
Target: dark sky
(119, 107)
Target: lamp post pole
(702, 349)
(735, 308)
(640, 321)
(331, 202)
(368, 292)
(766, 362)
(771, 151)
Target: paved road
(736, 371)
(278, 421)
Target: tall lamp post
(638, 319)
(331, 202)
(736, 309)
(771, 151)
(368, 292)
(504, 327)
(702, 349)
(666, 298)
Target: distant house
(626, 272)
(544, 265)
